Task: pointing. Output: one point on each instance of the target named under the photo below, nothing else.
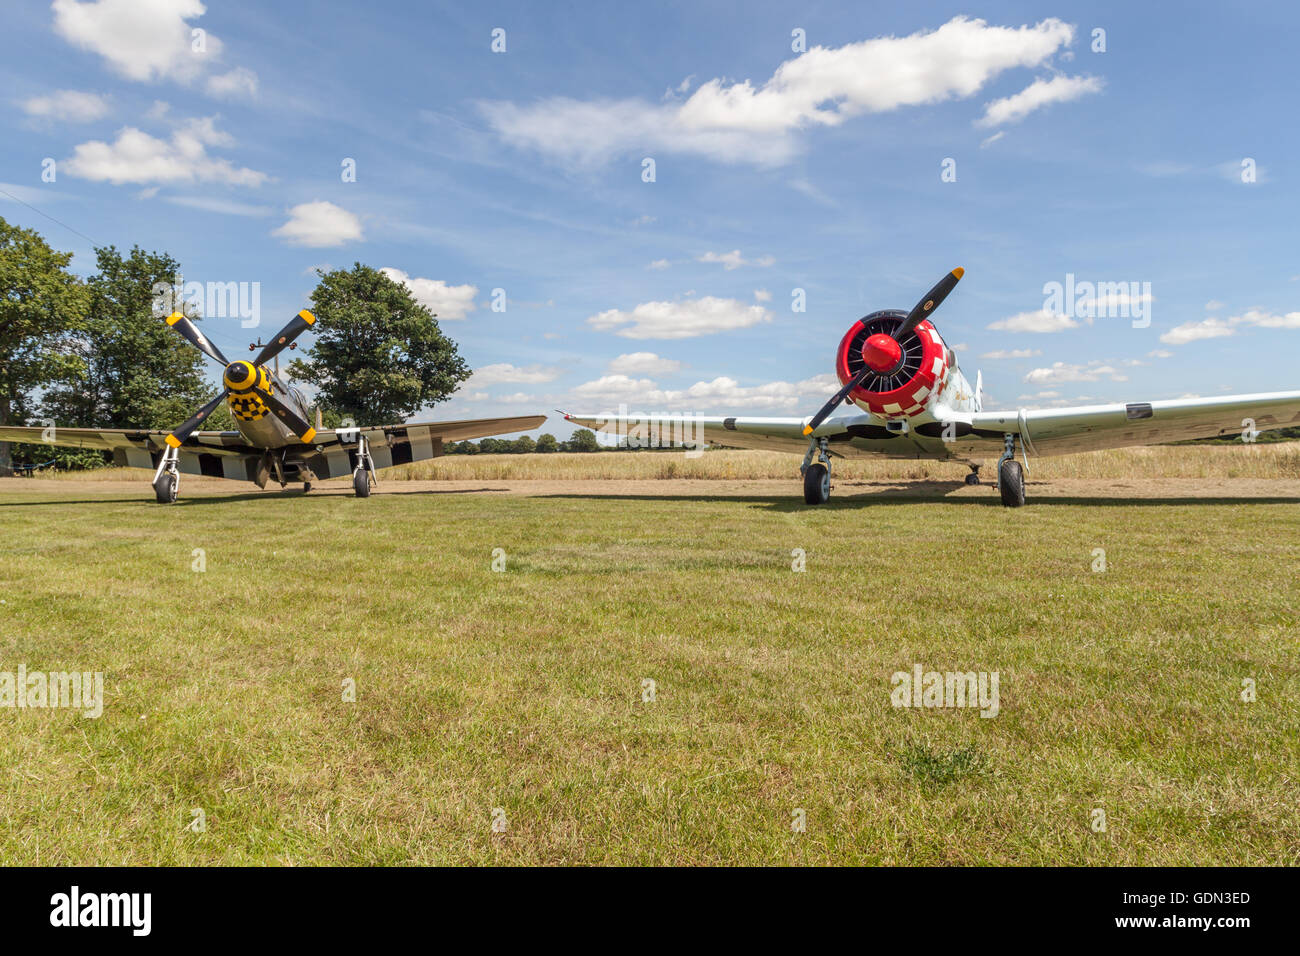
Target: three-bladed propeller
(883, 353)
(245, 375)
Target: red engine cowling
(922, 372)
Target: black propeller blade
(922, 310)
(299, 324)
(297, 424)
(196, 338)
(929, 302)
(177, 437)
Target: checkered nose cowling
(901, 391)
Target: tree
(584, 439)
(379, 356)
(41, 304)
(136, 372)
(523, 445)
(546, 443)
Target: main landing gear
(364, 475)
(1011, 477)
(816, 474)
(167, 479)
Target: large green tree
(379, 356)
(41, 305)
(137, 372)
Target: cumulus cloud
(1041, 321)
(1210, 328)
(443, 300)
(71, 106)
(137, 157)
(659, 264)
(734, 260)
(239, 82)
(643, 363)
(319, 224)
(1040, 93)
(505, 372)
(719, 394)
(1065, 372)
(680, 320)
(761, 123)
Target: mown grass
(523, 690)
(1280, 460)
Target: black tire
(1011, 483)
(166, 487)
(973, 478)
(361, 483)
(817, 484)
(306, 487)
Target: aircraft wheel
(817, 484)
(361, 483)
(1011, 483)
(973, 478)
(166, 487)
(306, 487)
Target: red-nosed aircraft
(914, 402)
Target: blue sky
(774, 170)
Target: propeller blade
(297, 424)
(297, 325)
(929, 302)
(177, 437)
(839, 397)
(196, 338)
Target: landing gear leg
(167, 479)
(1011, 478)
(364, 475)
(974, 477)
(816, 474)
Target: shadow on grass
(212, 499)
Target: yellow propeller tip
(308, 435)
(807, 430)
(307, 317)
(174, 318)
(959, 272)
(173, 441)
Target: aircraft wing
(334, 451)
(767, 434)
(1063, 431)
(215, 454)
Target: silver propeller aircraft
(273, 438)
(914, 402)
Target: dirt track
(1059, 488)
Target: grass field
(523, 690)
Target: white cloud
(1268, 320)
(680, 320)
(239, 82)
(141, 39)
(1214, 305)
(762, 124)
(721, 393)
(137, 157)
(988, 141)
(443, 300)
(1210, 328)
(1065, 372)
(659, 264)
(319, 224)
(1040, 321)
(734, 260)
(505, 372)
(71, 106)
(1040, 93)
(1012, 354)
(643, 363)
(1160, 353)
(762, 295)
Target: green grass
(523, 690)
